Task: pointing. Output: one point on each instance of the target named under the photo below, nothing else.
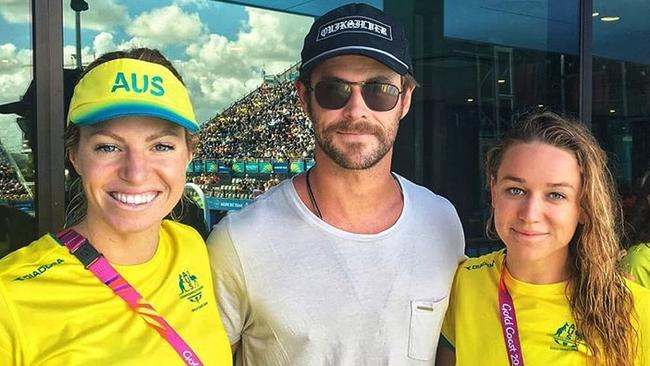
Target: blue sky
(221, 18)
(221, 49)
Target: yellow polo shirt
(637, 262)
(547, 330)
(55, 312)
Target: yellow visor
(129, 87)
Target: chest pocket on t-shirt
(426, 321)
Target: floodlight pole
(77, 16)
(78, 6)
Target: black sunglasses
(334, 94)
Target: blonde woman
(122, 286)
(555, 295)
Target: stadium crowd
(266, 124)
(241, 188)
(10, 187)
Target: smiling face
(536, 201)
(354, 136)
(133, 171)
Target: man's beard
(355, 156)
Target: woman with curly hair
(637, 260)
(556, 295)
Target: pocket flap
(426, 321)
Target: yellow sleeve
(637, 263)
(229, 281)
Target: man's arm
(229, 283)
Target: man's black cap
(357, 29)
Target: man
(347, 264)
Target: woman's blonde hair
(600, 301)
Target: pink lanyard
(509, 324)
(99, 266)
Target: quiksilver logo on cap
(354, 24)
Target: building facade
(480, 63)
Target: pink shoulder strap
(95, 262)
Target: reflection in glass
(311, 8)
(481, 64)
(17, 178)
(621, 86)
(239, 64)
(481, 67)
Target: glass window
(481, 64)
(621, 86)
(239, 63)
(312, 7)
(17, 186)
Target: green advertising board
(265, 167)
(238, 167)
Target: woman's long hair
(600, 301)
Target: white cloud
(15, 72)
(274, 36)
(101, 15)
(70, 56)
(15, 76)
(103, 42)
(221, 71)
(199, 4)
(137, 42)
(15, 11)
(212, 91)
(164, 26)
(216, 70)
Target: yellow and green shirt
(547, 330)
(637, 262)
(55, 312)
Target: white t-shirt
(298, 291)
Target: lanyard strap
(99, 266)
(509, 324)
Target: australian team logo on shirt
(191, 289)
(566, 338)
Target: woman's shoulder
(637, 259)
(639, 252)
(177, 235)
(641, 296)
(480, 269)
(638, 291)
(32, 260)
(487, 262)
(178, 228)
